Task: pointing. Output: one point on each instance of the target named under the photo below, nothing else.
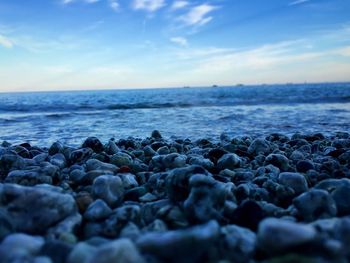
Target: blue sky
(93, 44)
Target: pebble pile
(241, 199)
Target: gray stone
(28, 177)
(229, 161)
(315, 204)
(46, 207)
(278, 160)
(121, 250)
(59, 160)
(129, 181)
(188, 245)
(172, 160)
(108, 188)
(94, 164)
(341, 196)
(80, 155)
(295, 181)
(207, 198)
(93, 143)
(64, 230)
(277, 236)
(177, 182)
(199, 160)
(259, 146)
(121, 159)
(237, 244)
(97, 210)
(81, 253)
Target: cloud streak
(181, 41)
(298, 2)
(148, 5)
(198, 15)
(6, 42)
(179, 5)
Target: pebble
(47, 207)
(296, 181)
(240, 199)
(189, 245)
(97, 210)
(109, 188)
(315, 204)
(121, 250)
(229, 161)
(280, 236)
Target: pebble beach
(273, 198)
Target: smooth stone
(296, 181)
(108, 188)
(207, 198)
(150, 210)
(28, 177)
(277, 236)
(80, 155)
(315, 204)
(47, 207)
(81, 253)
(59, 160)
(121, 159)
(156, 135)
(20, 244)
(134, 194)
(199, 160)
(164, 150)
(278, 160)
(129, 181)
(341, 196)
(6, 226)
(97, 210)
(93, 143)
(177, 182)
(237, 244)
(120, 250)
(229, 161)
(331, 184)
(130, 231)
(94, 164)
(157, 225)
(248, 214)
(56, 147)
(297, 155)
(172, 160)
(57, 250)
(148, 197)
(64, 230)
(305, 165)
(187, 245)
(259, 146)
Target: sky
(103, 44)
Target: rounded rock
(277, 235)
(296, 181)
(108, 188)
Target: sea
(42, 118)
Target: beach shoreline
(156, 199)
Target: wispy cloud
(298, 2)
(6, 42)
(114, 5)
(198, 15)
(179, 41)
(179, 5)
(148, 5)
(66, 2)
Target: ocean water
(44, 117)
